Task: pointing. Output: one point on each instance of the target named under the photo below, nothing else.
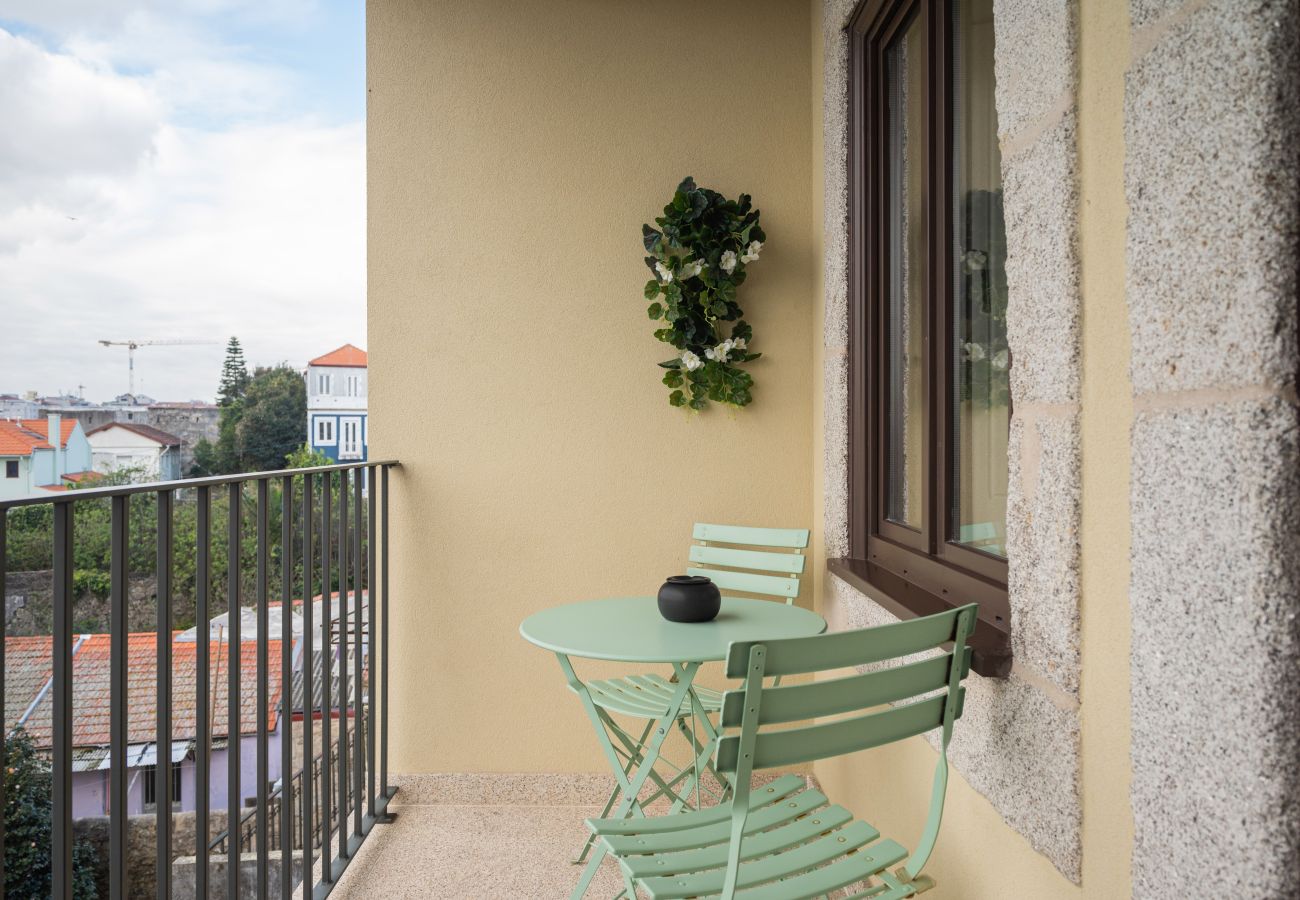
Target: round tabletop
(630, 629)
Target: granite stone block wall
(1019, 740)
(1212, 119)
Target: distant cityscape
(139, 438)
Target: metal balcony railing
(333, 537)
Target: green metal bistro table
(630, 629)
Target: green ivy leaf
(718, 308)
(655, 311)
(651, 239)
(676, 398)
(697, 404)
(674, 363)
(673, 378)
(651, 289)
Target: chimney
(55, 426)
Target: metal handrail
(153, 487)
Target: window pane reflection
(981, 405)
(905, 328)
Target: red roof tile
(90, 688)
(28, 665)
(79, 477)
(42, 428)
(18, 441)
(347, 355)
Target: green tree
(28, 813)
(272, 420)
(234, 375)
(305, 458)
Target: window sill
(990, 644)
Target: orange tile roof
(79, 477)
(18, 441)
(42, 428)
(28, 664)
(347, 355)
(90, 687)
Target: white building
(336, 404)
(122, 445)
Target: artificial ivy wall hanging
(698, 256)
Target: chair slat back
(755, 706)
(844, 649)
(726, 565)
(797, 702)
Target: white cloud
(119, 221)
(66, 123)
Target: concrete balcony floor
(474, 852)
(492, 841)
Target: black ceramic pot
(689, 598)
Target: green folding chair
(783, 841)
(725, 554)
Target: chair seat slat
(785, 865)
(777, 790)
(714, 856)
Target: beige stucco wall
(514, 151)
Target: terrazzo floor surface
(474, 853)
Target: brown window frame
(913, 572)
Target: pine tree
(234, 375)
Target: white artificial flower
(691, 269)
(719, 352)
(752, 251)
(974, 352)
(691, 361)
(738, 343)
(1000, 359)
(728, 261)
(665, 273)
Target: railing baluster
(342, 784)
(61, 857)
(263, 677)
(358, 732)
(233, 696)
(163, 785)
(383, 642)
(371, 737)
(286, 687)
(344, 562)
(118, 880)
(308, 691)
(327, 678)
(203, 688)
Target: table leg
(629, 787)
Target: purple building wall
(90, 793)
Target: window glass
(11, 468)
(905, 324)
(981, 394)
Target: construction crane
(131, 348)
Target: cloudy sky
(178, 169)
